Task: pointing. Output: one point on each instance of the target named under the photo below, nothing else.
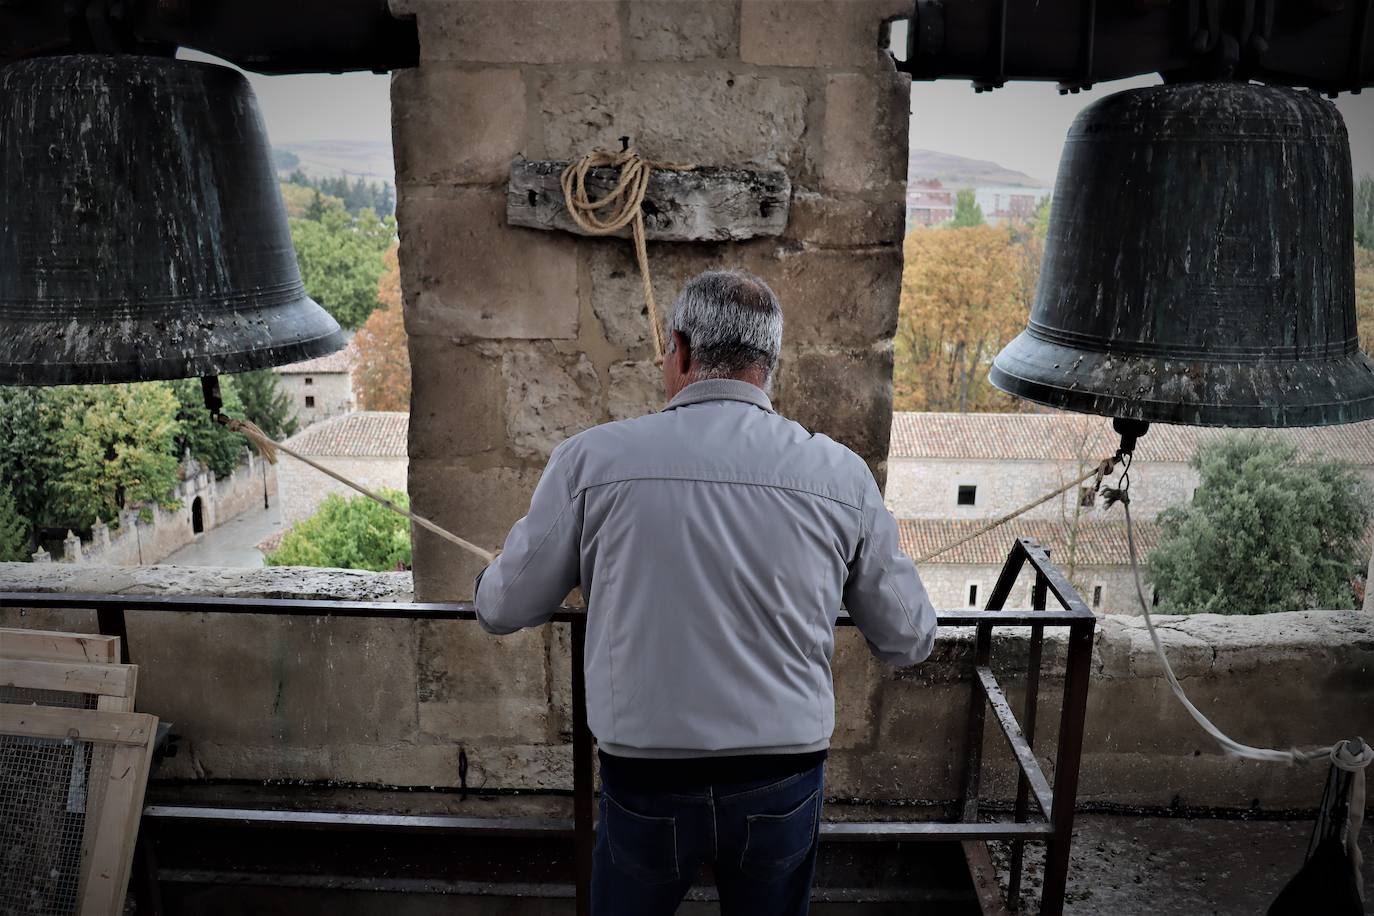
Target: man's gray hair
(732, 321)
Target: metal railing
(1051, 823)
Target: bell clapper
(214, 401)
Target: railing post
(584, 781)
(1077, 670)
(1039, 594)
(977, 711)
(110, 622)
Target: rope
(623, 206)
(1346, 755)
(1098, 472)
(269, 449)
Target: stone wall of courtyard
(368, 701)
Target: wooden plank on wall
(51, 645)
(112, 827)
(703, 205)
(73, 677)
(92, 725)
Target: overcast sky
(1020, 126)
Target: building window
(968, 495)
(1097, 596)
(1087, 496)
(309, 400)
(309, 380)
(973, 594)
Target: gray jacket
(715, 542)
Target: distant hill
(958, 172)
(370, 159)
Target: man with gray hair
(715, 542)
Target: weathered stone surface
(269, 582)
(864, 137)
(844, 298)
(846, 394)
(716, 117)
(817, 33)
(458, 667)
(456, 125)
(453, 404)
(527, 31)
(683, 29)
(636, 389)
(549, 397)
(844, 221)
(479, 504)
(467, 274)
(706, 204)
(618, 291)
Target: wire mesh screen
(48, 788)
(33, 696)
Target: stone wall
(374, 702)
(928, 487)
(303, 488)
(330, 392)
(520, 338)
(134, 541)
(948, 585)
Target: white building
(949, 473)
(319, 388)
(368, 446)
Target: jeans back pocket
(776, 844)
(643, 847)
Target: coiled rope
(621, 206)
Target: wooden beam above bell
(705, 204)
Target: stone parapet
(393, 702)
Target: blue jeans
(760, 838)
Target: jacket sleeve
(884, 594)
(541, 560)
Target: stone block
(683, 29)
(454, 397)
(855, 673)
(456, 125)
(817, 33)
(846, 394)
(717, 117)
(844, 221)
(864, 136)
(467, 274)
(519, 31)
(458, 667)
(618, 291)
(549, 397)
(842, 298)
(479, 504)
(636, 389)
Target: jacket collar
(721, 389)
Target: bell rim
(1321, 404)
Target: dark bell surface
(142, 234)
(1199, 265)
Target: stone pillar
(71, 548)
(100, 536)
(41, 556)
(520, 338)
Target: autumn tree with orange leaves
(381, 372)
(966, 292)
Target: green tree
(1265, 532)
(264, 403)
(29, 456)
(1364, 211)
(14, 529)
(117, 448)
(340, 258)
(354, 533)
(210, 443)
(966, 211)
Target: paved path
(234, 543)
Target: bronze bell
(1199, 266)
(142, 232)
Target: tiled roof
(361, 434)
(1069, 436)
(1099, 543)
(338, 361)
